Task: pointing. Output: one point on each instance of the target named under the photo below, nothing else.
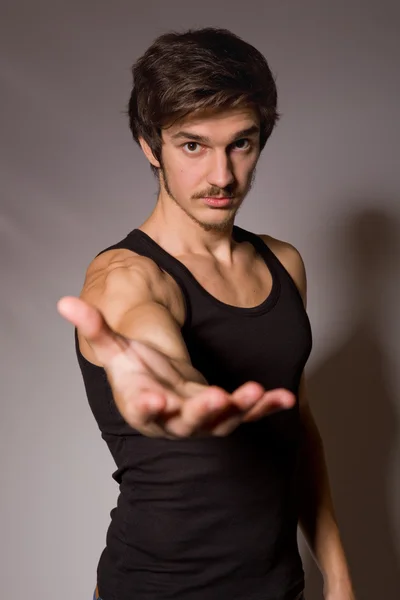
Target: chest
(244, 283)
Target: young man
(192, 337)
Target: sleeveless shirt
(212, 518)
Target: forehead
(214, 123)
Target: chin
(221, 225)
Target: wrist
(337, 577)
(338, 586)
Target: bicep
(129, 294)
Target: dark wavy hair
(210, 68)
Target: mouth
(218, 202)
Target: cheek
(245, 169)
(188, 177)
(182, 180)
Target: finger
(91, 324)
(145, 411)
(224, 421)
(271, 402)
(139, 396)
(145, 408)
(196, 412)
(242, 400)
(227, 426)
(247, 395)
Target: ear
(148, 153)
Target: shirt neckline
(267, 304)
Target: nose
(221, 172)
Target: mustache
(229, 192)
(214, 194)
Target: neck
(180, 234)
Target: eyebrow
(202, 139)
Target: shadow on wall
(355, 410)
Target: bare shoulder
(119, 279)
(291, 259)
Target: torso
(237, 487)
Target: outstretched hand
(163, 397)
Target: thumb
(84, 316)
(93, 327)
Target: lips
(218, 202)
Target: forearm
(317, 516)
(153, 324)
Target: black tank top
(210, 518)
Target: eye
(240, 144)
(191, 147)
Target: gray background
(72, 182)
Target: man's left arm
(317, 518)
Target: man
(192, 337)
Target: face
(207, 157)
